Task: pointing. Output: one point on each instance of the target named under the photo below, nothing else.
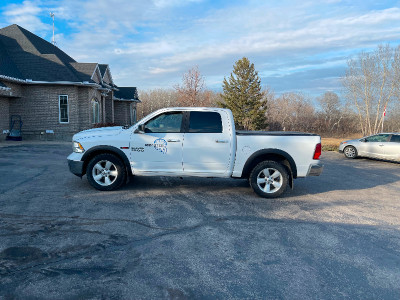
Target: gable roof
(84, 71)
(103, 68)
(26, 57)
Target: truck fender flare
(277, 152)
(105, 149)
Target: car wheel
(350, 152)
(269, 179)
(106, 172)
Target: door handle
(221, 141)
(173, 141)
(381, 145)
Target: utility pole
(53, 40)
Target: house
(52, 92)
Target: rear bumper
(76, 167)
(315, 170)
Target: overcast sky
(297, 46)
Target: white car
(194, 142)
(383, 146)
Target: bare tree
(193, 91)
(156, 99)
(332, 111)
(372, 83)
(292, 112)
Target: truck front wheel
(269, 179)
(106, 172)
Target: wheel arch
(92, 152)
(351, 146)
(270, 154)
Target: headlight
(77, 147)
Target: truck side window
(205, 122)
(164, 123)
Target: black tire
(111, 177)
(350, 152)
(270, 188)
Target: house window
(63, 108)
(95, 111)
(133, 113)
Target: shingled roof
(126, 93)
(27, 56)
(24, 55)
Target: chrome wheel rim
(269, 180)
(350, 152)
(104, 173)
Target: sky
(296, 46)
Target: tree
(193, 91)
(332, 110)
(292, 112)
(372, 82)
(243, 95)
(155, 99)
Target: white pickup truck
(194, 142)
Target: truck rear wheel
(269, 179)
(106, 172)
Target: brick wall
(4, 116)
(109, 108)
(121, 113)
(38, 106)
(39, 109)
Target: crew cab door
(374, 145)
(207, 144)
(159, 147)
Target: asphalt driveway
(333, 236)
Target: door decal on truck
(159, 145)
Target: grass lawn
(332, 143)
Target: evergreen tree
(244, 97)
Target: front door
(374, 145)
(159, 147)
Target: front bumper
(76, 167)
(315, 170)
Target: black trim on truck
(76, 167)
(103, 149)
(268, 154)
(274, 133)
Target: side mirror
(363, 140)
(141, 129)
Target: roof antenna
(53, 40)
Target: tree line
(371, 87)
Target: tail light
(317, 152)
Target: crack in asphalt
(5, 215)
(107, 245)
(2, 192)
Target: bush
(99, 125)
